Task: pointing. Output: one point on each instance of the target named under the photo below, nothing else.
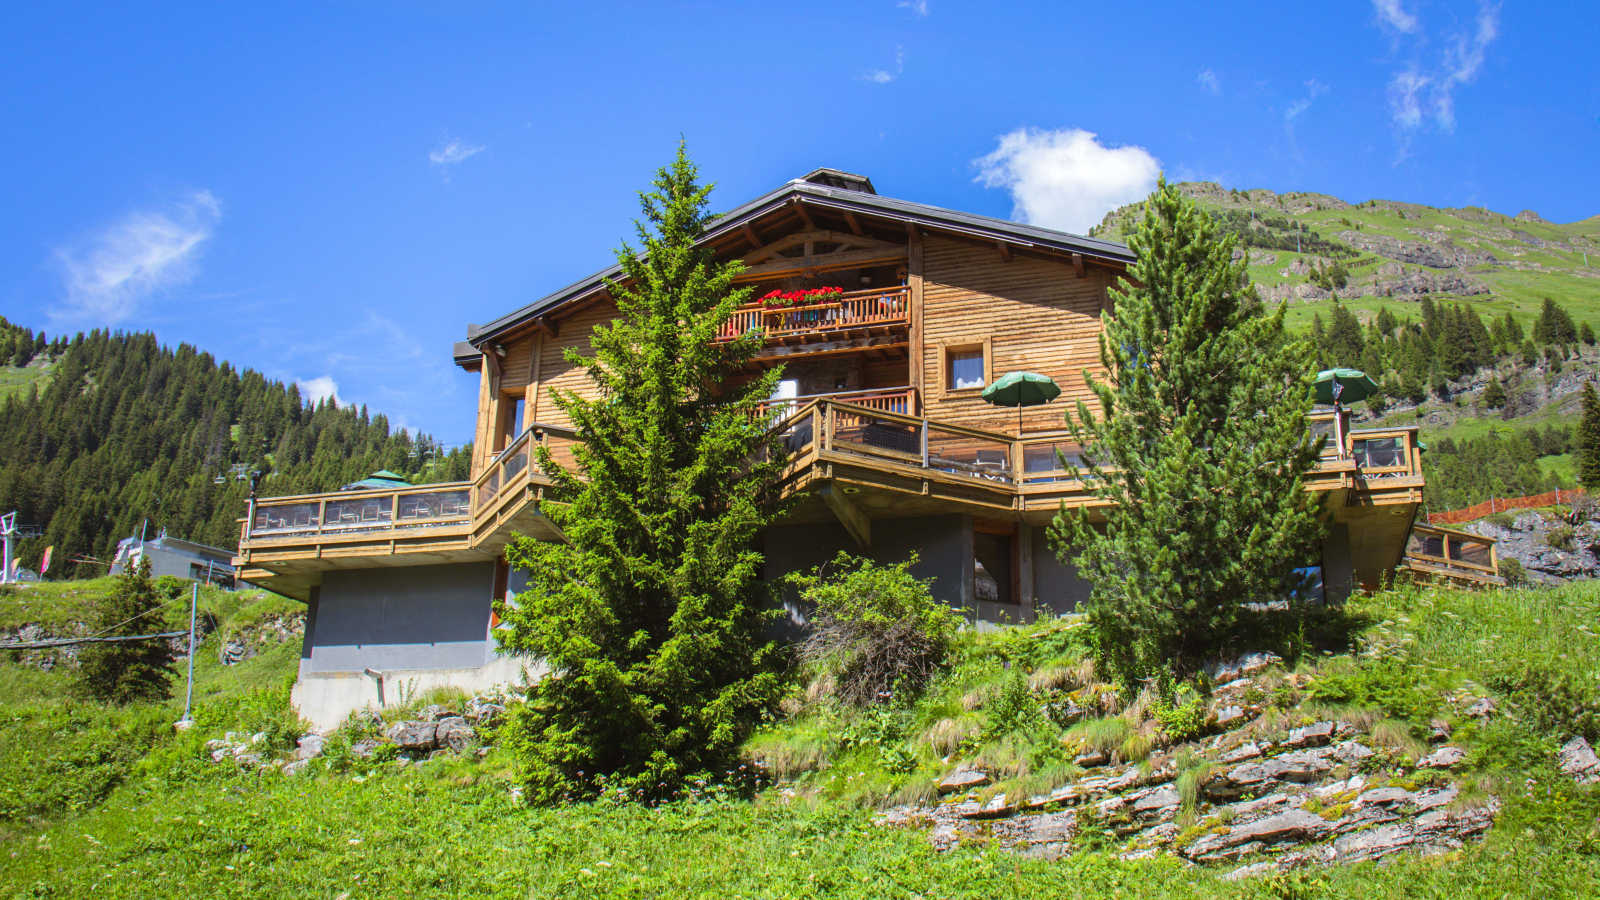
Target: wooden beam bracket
(850, 515)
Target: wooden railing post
(828, 426)
(924, 443)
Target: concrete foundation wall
(326, 699)
(421, 617)
(1338, 566)
(1057, 587)
(943, 545)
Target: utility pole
(8, 527)
(188, 698)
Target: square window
(966, 369)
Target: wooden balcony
(875, 318)
(856, 457)
(1444, 554)
(285, 541)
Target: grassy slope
(180, 825)
(15, 382)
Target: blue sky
(329, 192)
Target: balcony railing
(900, 401)
(1453, 554)
(869, 310)
(354, 512)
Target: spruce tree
(1199, 444)
(1588, 439)
(652, 617)
(128, 671)
(1494, 396)
(1586, 334)
(1554, 325)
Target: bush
(876, 629)
(1554, 703)
(1389, 685)
(1512, 571)
(133, 670)
(1560, 537)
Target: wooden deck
(857, 462)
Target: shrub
(1182, 720)
(876, 629)
(1512, 571)
(1553, 702)
(1389, 685)
(1560, 537)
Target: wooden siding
(1032, 314)
(556, 372)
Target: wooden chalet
(894, 450)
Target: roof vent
(836, 179)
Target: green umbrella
(1021, 389)
(1355, 386)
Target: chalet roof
(830, 194)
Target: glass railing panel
(285, 518)
(1041, 462)
(965, 454)
(1472, 553)
(1380, 453)
(489, 488)
(512, 465)
(435, 505)
(864, 432)
(359, 512)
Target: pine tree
(1586, 334)
(652, 617)
(1588, 439)
(1494, 396)
(133, 670)
(1200, 444)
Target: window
(966, 369)
(991, 568)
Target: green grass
(106, 802)
(14, 382)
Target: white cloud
(318, 389)
(110, 275)
(1209, 82)
(882, 76)
(920, 7)
(1393, 14)
(453, 152)
(1420, 92)
(1066, 179)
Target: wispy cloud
(920, 7)
(1209, 82)
(110, 275)
(884, 76)
(1422, 90)
(1392, 14)
(1314, 89)
(1066, 179)
(454, 152)
(368, 358)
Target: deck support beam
(850, 515)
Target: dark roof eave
(922, 215)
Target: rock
(1351, 753)
(996, 808)
(248, 760)
(485, 713)
(1386, 796)
(309, 746)
(1443, 758)
(962, 780)
(1439, 731)
(454, 733)
(1052, 827)
(221, 753)
(1334, 788)
(1157, 799)
(1253, 808)
(1578, 760)
(1311, 735)
(364, 748)
(1482, 709)
(1250, 871)
(1230, 717)
(1091, 759)
(436, 712)
(1290, 825)
(1239, 780)
(1247, 664)
(296, 767)
(1373, 843)
(1251, 750)
(413, 735)
(1434, 799)
(1299, 766)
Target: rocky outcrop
(247, 642)
(1442, 255)
(1578, 760)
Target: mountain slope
(124, 428)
